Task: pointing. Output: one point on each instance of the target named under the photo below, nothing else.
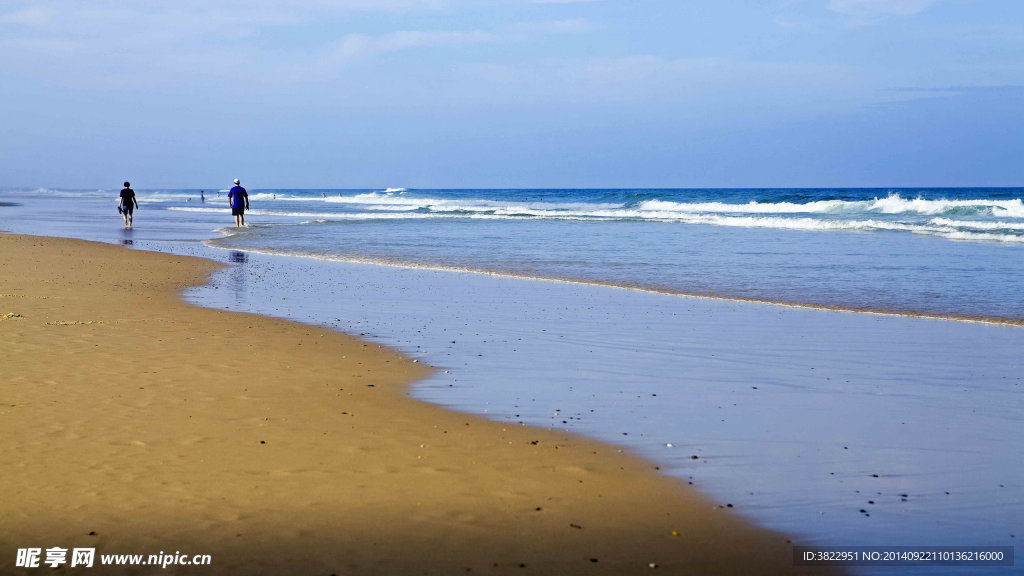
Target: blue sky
(512, 93)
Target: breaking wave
(995, 220)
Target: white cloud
(745, 85)
(198, 47)
(691, 73)
(188, 42)
(171, 45)
(360, 46)
(187, 15)
(871, 8)
(570, 26)
(32, 15)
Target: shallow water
(941, 252)
(798, 418)
(791, 413)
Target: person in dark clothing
(238, 198)
(126, 204)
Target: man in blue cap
(238, 198)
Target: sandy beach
(137, 424)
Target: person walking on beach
(126, 204)
(238, 198)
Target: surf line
(991, 320)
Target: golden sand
(134, 423)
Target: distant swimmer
(202, 197)
(324, 194)
(238, 198)
(126, 204)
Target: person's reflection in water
(237, 276)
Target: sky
(511, 93)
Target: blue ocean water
(946, 252)
(800, 417)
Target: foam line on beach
(213, 243)
(943, 228)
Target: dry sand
(135, 423)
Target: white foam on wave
(380, 201)
(197, 209)
(986, 220)
(811, 224)
(323, 217)
(166, 196)
(1009, 209)
(58, 193)
(977, 224)
(896, 204)
(659, 209)
(942, 227)
(981, 236)
(350, 216)
(893, 204)
(820, 206)
(281, 197)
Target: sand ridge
(135, 423)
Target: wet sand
(825, 425)
(137, 424)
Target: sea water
(839, 428)
(935, 252)
(941, 252)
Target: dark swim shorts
(238, 211)
(130, 208)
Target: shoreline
(989, 320)
(212, 232)
(666, 378)
(163, 439)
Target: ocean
(870, 393)
(939, 252)
(949, 252)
